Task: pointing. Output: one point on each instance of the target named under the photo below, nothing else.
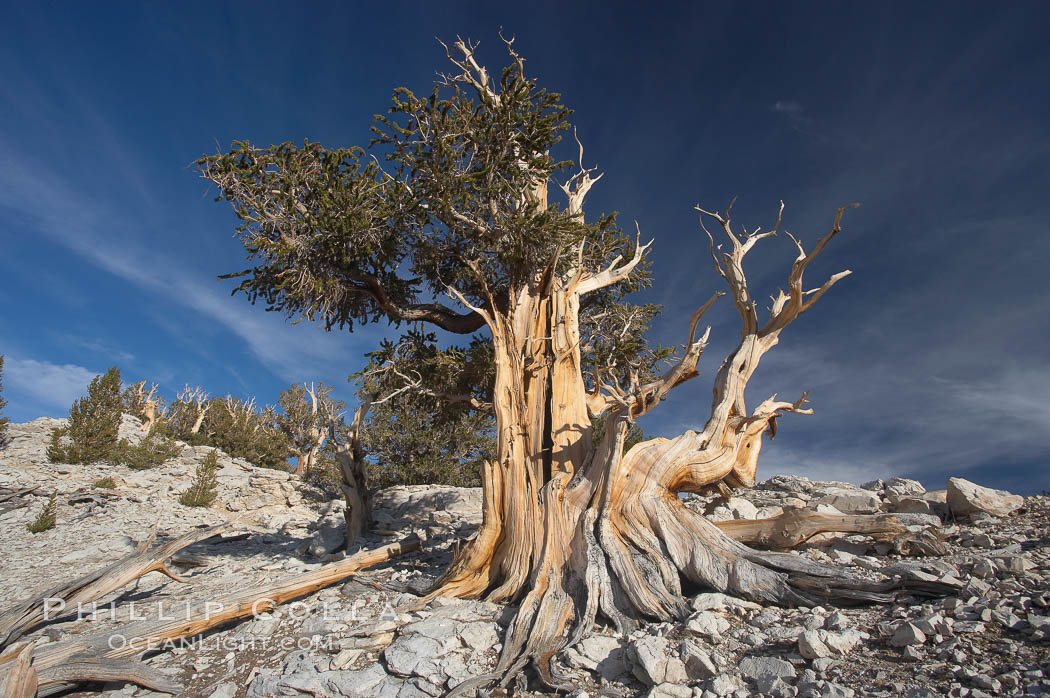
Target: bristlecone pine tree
(3, 403)
(307, 415)
(203, 489)
(145, 406)
(456, 203)
(243, 431)
(186, 415)
(93, 423)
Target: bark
(796, 526)
(21, 679)
(353, 482)
(572, 530)
(97, 658)
(149, 406)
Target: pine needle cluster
(46, 520)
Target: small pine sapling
(203, 489)
(46, 519)
(105, 483)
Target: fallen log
(97, 657)
(796, 526)
(18, 493)
(21, 679)
(15, 621)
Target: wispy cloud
(97, 346)
(788, 106)
(793, 111)
(61, 214)
(52, 387)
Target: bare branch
(614, 274)
(790, 305)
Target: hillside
(364, 636)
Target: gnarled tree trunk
(353, 480)
(572, 529)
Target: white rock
(649, 657)
(757, 668)
(600, 653)
(707, 624)
(715, 601)
(811, 645)
(966, 498)
(850, 500)
(224, 690)
(669, 690)
(698, 662)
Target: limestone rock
(707, 624)
(851, 500)
(600, 653)
(653, 662)
(966, 498)
(759, 668)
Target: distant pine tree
(203, 489)
(46, 519)
(93, 423)
(3, 403)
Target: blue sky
(930, 360)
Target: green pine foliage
(445, 196)
(439, 433)
(46, 520)
(155, 449)
(93, 423)
(242, 431)
(105, 483)
(3, 403)
(203, 489)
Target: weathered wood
(796, 526)
(93, 656)
(572, 529)
(20, 680)
(353, 478)
(56, 679)
(93, 586)
(18, 493)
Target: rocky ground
(360, 639)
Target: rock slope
(370, 637)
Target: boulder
(850, 500)
(759, 668)
(708, 625)
(902, 487)
(966, 498)
(601, 654)
(649, 656)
